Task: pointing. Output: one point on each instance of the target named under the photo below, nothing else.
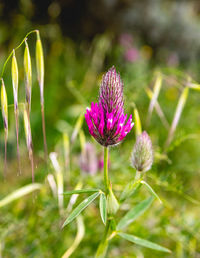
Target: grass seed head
(28, 74)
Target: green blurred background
(81, 40)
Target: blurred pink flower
(131, 54)
(88, 159)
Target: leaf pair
(82, 205)
(130, 217)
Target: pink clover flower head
(106, 120)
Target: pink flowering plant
(109, 125)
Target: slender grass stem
(4, 66)
(17, 135)
(32, 165)
(5, 157)
(106, 179)
(44, 133)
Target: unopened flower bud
(112, 203)
(142, 155)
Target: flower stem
(102, 248)
(106, 179)
(137, 176)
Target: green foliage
(134, 213)
(143, 242)
(31, 223)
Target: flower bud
(142, 155)
(112, 203)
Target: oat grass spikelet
(28, 76)
(106, 120)
(15, 82)
(4, 109)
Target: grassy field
(166, 98)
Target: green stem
(103, 246)
(137, 176)
(106, 179)
(4, 66)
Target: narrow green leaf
(151, 190)
(102, 207)
(78, 238)
(143, 242)
(80, 208)
(131, 189)
(177, 115)
(134, 213)
(77, 127)
(81, 191)
(19, 193)
(156, 91)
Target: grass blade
(81, 191)
(77, 127)
(19, 193)
(151, 190)
(156, 92)
(143, 242)
(78, 238)
(130, 189)
(66, 147)
(158, 109)
(134, 213)
(59, 180)
(103, 208)
(181, 103)
(80, 208)
(74, 197)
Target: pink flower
(106, 120)
(131, 55)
